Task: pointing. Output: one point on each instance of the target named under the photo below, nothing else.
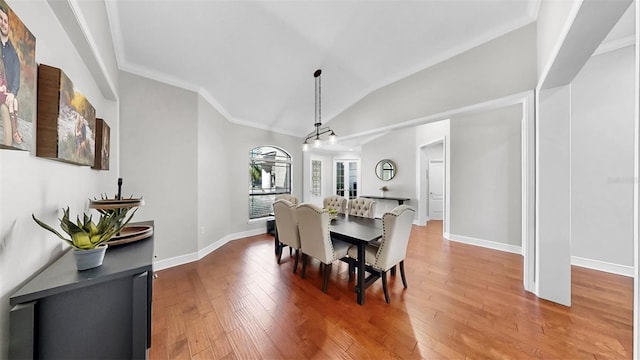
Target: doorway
(347, 178)
(432, 191)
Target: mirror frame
(381, 170)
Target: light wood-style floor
(463, 302)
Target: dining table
(356, 230)
(359, 231)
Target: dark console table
(105, 312)
(400, 200)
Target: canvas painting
(103, 133)
(18, 76)
(66, 119)
(76, 125)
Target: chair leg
(393, 271)
(295, 266)
(290, 250)
(384, 286)
(404, 279)
(327, 270)
(352, 270)
(280, 252)
(304, 265)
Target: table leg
(360, 285)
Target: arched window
(269, 175)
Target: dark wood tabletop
(356, 229)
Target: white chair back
(362, 207)
(290, 198)
(287, 223)
(396, 229)
(337, 202)
(315, 238)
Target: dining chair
(335, 201)
(291, 198)
(315, 239)
(396, 229)
(362, 207)
(287, 228)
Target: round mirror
(386, 169)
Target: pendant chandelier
(319, 131)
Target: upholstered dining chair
(315, 239)
(335, 201)
(396, 229)
(290, 198)
(287, 226)
(362, 207)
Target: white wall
(552, 20)
(34, 185)
(486, 201)
(602, 129)
(553, 231)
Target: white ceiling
(254, 60)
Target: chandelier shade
(315, 135)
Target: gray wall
(501, 67)
(486, 176)
(192, 170)
(212, 194)
(428, 134)
(399, 146)
(159, 137)
(602, 128)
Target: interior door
(436, 190)
(347, 178)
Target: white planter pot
(89, 259)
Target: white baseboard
(485, 243)
(174, 261)
(623, 270)
(575, 260)
(187, 258)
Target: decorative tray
(130, 234)
(115, 203)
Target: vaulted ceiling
(254, 60)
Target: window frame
(260, 198)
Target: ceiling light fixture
(315, 135)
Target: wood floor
(463, 302)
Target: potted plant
(383, 190)
(333, 213)
(87, 238)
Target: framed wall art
(103, 134)
(66, 120)
(18, 76)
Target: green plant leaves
(85, 234)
